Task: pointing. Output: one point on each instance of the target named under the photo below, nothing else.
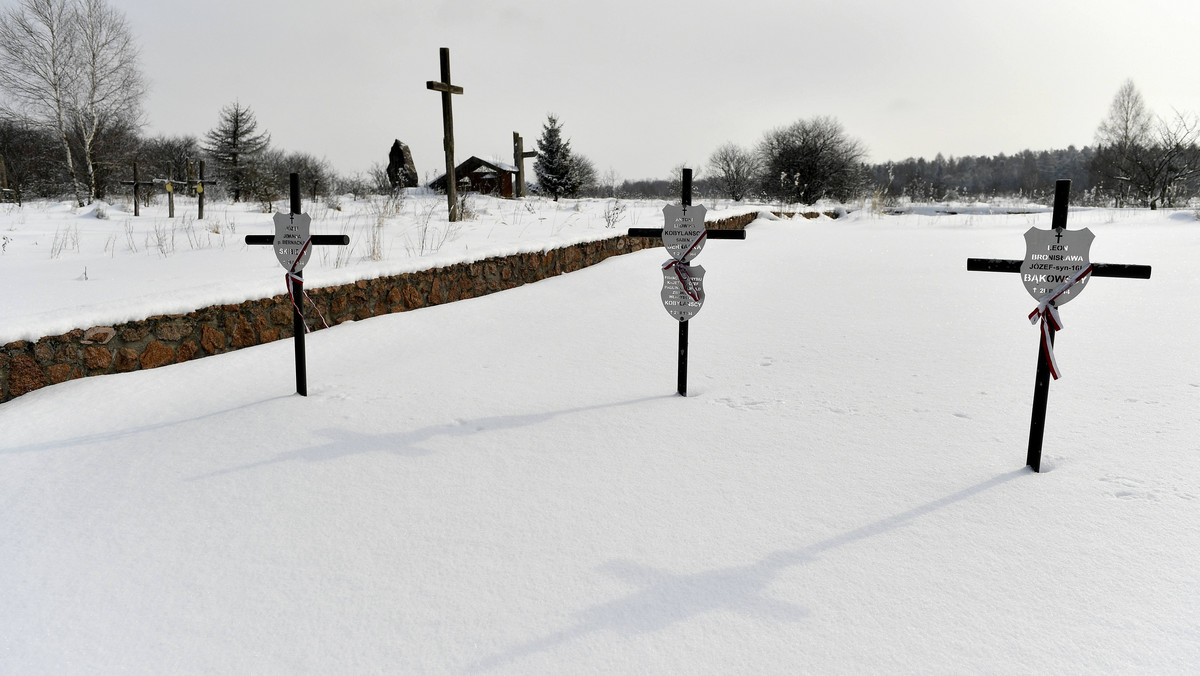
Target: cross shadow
(344, 443)
(131, 431)
(661, 598)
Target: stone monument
(401, 171)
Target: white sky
(642, 86)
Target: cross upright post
(1063, 282)
(519, 155)
(169, 184)
(137, 193)
(681, 385)
(200, 183)
(299, 246)
(682, 284)
(447, 90)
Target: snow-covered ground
(508, 485)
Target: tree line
(71, 92)
(1139, 159)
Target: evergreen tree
(234, 144)
(557, 173)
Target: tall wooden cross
(704, 233)
(1045, 364)
(137, 193)
(296, 275)
(519, 156)
(448, 130)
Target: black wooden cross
(681, 387)
(296, 280)
(137, 193)
(448, 130)
(1041, 392)
(519, 156)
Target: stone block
(156, 354)
(97, 358)
(98, 334)
(243, 334)
(212, 340)
(173, 331)
(186, 351)
(60, 373)
(135, 332)
(126, 360)
(25, 376)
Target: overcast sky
(641, 86)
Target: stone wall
(168, 339)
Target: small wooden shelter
(486, 177)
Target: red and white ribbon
(695, 243)
(290, 277)
(681, 272)
(685, 278)
(1048, 314)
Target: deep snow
(508, 484)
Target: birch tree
(111, 86)
(71, 67)
(39, 71)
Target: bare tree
(812, 159)
(1121, 137)
(71, 67)
(1167, 169)
(111, 87)
(39, 69)
(735, 170)
(1148, 158)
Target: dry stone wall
(26, 366)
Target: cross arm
(1098, 269)
(317, 240)
(443, 87)
(712, 234)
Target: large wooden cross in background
(519, 155)
(448, 129)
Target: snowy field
(508, 485)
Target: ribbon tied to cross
(1047, 313)
(290, 277)
(681, 269)
(686, 281)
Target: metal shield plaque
(683, 290)
(291, 234)
(682, 231)
(1053, 257)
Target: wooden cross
(296, 280)
(448, 130)
(681, 380)
(1041, 392)
(199, 188)
(137, 196)
(519, 156)
(169, 186)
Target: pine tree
(233, 145)
(553, 165)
